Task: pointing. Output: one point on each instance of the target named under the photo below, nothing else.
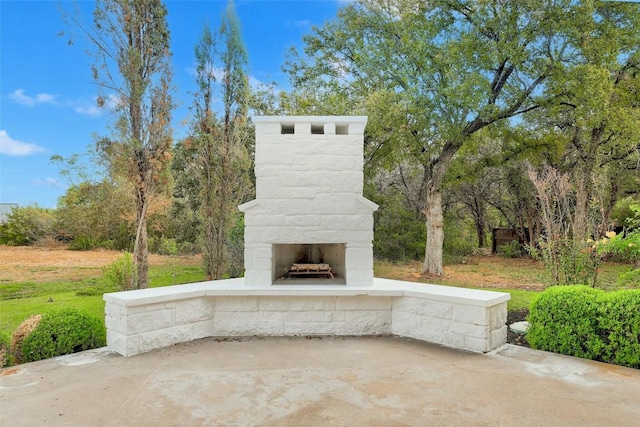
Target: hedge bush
(620, 322)
(589, 323)
(63, 332)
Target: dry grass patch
(37, 264)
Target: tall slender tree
(219, 152)
(133, 68)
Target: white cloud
(48, 181)
(216, 72)
(31, 101)
(90, 108)
(303, 23)
(12, 147)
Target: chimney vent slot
(342, 129)
(287, 129)
(317, 129)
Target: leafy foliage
(460, 239)
(81, 215)
(399, 236)
(564, 320)
(121, 272)
(28, 225)
(626, 245)
(63, 332)
(432, 74)
(511, 250)
(163, 246)
(619, 324)
(584, 322)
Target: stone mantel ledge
(380, 288)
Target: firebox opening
(309, 263)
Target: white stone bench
(143, 320)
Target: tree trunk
(142, 257)
(435, 234)
(141, 247)
(208, 220)
(479, 218)
(435, 173)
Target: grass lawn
(20, 300)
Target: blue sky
(47, 96)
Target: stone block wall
(133, 330)
(147, 319)
(309, 183)
(451, 324)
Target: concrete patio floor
(379, 381)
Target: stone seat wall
(144, 320)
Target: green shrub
(82, 243)
(564, 319)
(163, 246)
(121, 272)
(619, 323)
(513, 249)
(585, 322)
(27, 225)
(63, 332)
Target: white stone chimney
(309, 205)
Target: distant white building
(5, 210)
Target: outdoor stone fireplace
(309, 222)
(308, 260)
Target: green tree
(219, 152)
(594, 109)
(132, 66)
(28, 225)
(81, 214)
(592, 113)
(449, 69)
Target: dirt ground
(484, 271)
(27, 263)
